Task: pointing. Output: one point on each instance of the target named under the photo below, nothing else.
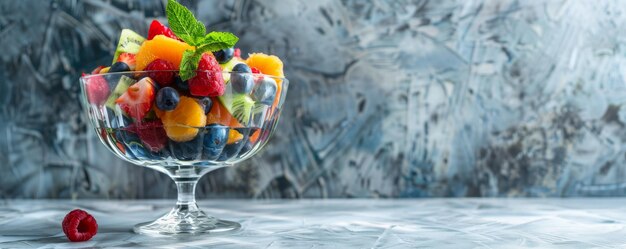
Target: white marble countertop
(415, 223)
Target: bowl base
(183, 220)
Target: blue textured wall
(387, 98)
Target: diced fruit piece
(158, 112)
(239, 105)
(241, 79)
(119, 67)
(167, 99)
(207, 103)
(220, 115)
(255, 70)
(129, 42)
(237, 53)
(161, 47)
(234, 136)
(215, 139)
(265, 91)
(181, 124)
(267, 64)
(151, 134)
(255, 136)
(188, 150)
(97, 70)
(79, 225)
(164, 78)
(157, 28)
(208, 82)
(270, 65)
(120, 89)
(129, 59)
(97, 89)
(224, 55)
(242, 68)
(105, 70)
(137, 100)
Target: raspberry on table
(79, 225)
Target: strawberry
(237, 53)
(97, 89)
(157, 28)
(138, 99)
(208, 81)
(127, 58)
(151, 133)
(165, 78)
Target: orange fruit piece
(182, 123)
(220, 115)
(255, 136)
(234, 136)
(161, 47)
(269, 65)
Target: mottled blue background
(387, 98)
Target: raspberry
(97, 89)
(162, 78)
(208, 81)
(151, 133)
(79, 225)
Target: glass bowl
(164, 140)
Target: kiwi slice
(239, 105)
(130, 42)
(120, 89)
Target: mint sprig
(186, 27)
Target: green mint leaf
(189, 64)
(183, 23)
(218, 40)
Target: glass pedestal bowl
(225, 140)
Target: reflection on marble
(388, 98)
(425, 223)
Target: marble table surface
(344, 223)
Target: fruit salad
(180, 93)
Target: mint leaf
(223, 39)
(189, 64)
(183, 23)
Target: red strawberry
(208, 81)
(163, 78)
(79, 225)
(255, 70)
(97, 89)
(138, 99)
(129, 59)
(237, 53)
(157, 28)
(151, 133)
(96, 70)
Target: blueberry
(224, 55)
(119, 67)
(182, 85)
(265, 91)
(167, 99)
(187, 151)
(242, 68)
(117, 120)
(215, 139)
(242, 82)
(246, 147)
(207, 103)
